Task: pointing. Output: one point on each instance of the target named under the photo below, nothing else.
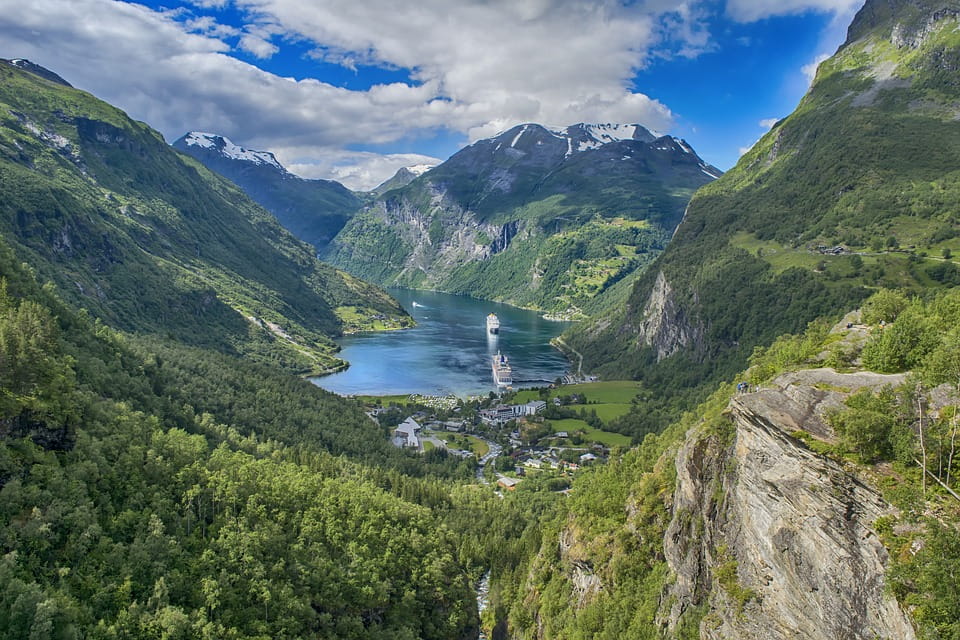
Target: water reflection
(450, 350)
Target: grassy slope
(864, 158)
(149, 240)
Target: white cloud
(752, 10)
(257, 46)
(478, 67)
(767, 123)
(357, 170)
(495, 62)
(810, 70)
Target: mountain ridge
(858, 166)
(37, 70)
(531, 216)
(313, 210)
(149, 240)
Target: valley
(732, 405)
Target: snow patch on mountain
(702, 168)
(228, 149)
(419, 169)
(523, 130)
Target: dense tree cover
(262, 402)
(131, 510)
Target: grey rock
(797, 525)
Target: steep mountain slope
(36, 70)
(805, 502)
(313, 210)
(148, 240)
(857, 188)
(536, 217)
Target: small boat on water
(493, 324)
(502, 373)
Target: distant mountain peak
(225, 147)
(403, 177)
(588, 137)
(610, 132)
(37, 70)
(585, 136)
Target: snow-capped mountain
(313, 210)
(224, 147)
(518, 216)
(549, 142)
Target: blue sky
(353, 90)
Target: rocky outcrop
(442, 237)
(585, 582)
(772, 539)
(665, 325)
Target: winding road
(565, 347)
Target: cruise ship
(502, 373)
(493, 323)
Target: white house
(407, 434)
(530, 409)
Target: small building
(499, 414)
(587, 457)
(407, 434)
(561, 434)
(529, 409)
(509, 484)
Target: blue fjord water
(449, 350)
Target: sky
(352, 90)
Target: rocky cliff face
(664, 325)
(736, 530)
(775, 540)
(537, 217)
